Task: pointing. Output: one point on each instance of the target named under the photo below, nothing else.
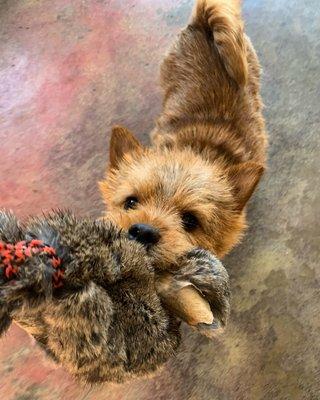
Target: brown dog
(209, 144)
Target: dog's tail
(223, 19)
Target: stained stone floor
(69, 70)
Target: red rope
(12, 256)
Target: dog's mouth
(155, 251)
(164, 258)
(163, 254)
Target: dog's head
(174, 199)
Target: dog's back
(211, 84)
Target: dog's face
(173, 200)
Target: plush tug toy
(94, 302)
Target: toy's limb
(208, 275)
(198, 292)
(10, 230)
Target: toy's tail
(223, 19)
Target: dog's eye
(130, 203)
(190, 221)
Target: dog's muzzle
(144, 234)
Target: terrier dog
(208, 152)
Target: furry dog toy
(92, 299)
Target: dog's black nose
(144, 234)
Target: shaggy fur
(208, 146)
(107, 322)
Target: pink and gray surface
(71, 69)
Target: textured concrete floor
(68, 71)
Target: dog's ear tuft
(244, 178)
(122, 142)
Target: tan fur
(208, 147)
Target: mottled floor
(68, 71)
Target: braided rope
(12, 257)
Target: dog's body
(209, 143)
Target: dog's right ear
(244, 178)
(122, 142)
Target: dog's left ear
(122, 142)
(244, 178)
